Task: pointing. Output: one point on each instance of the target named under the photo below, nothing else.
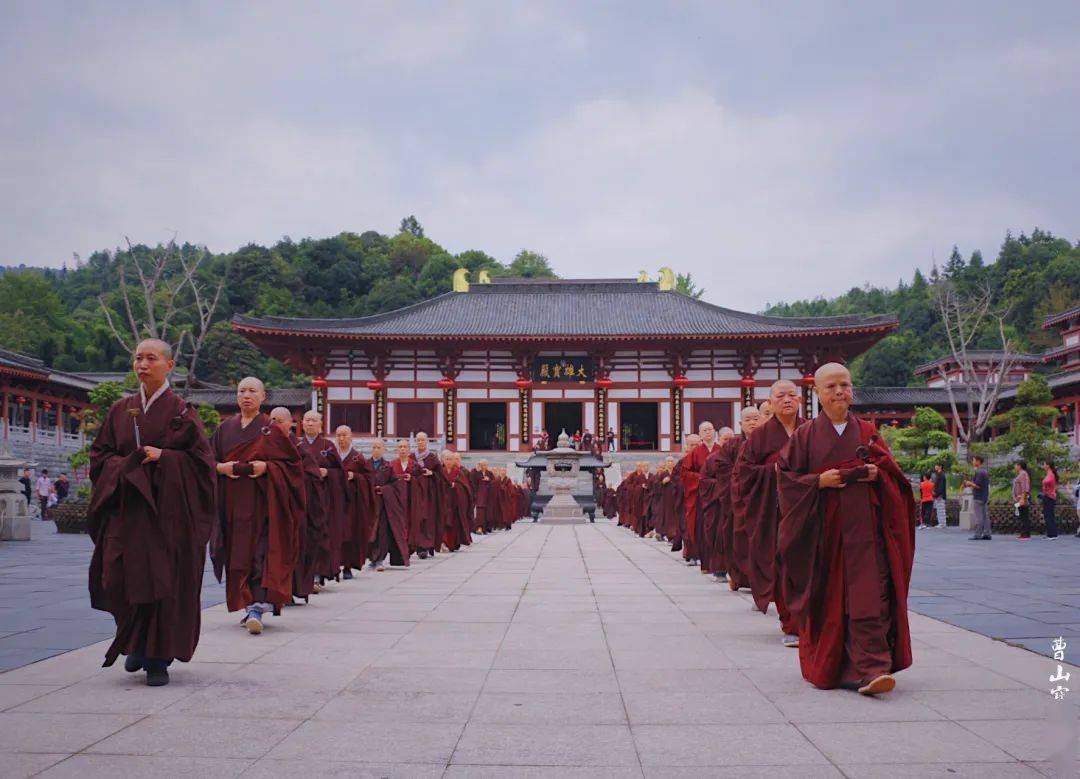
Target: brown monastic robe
(425, 522)
(732, 545)
(337, 507)
(361, 516)
(688, 469)
(150, 525)
(457, 504)
(846, 553)
(392, 497)
(314, 541)
(482, 491)
(671, 511)
(257, 539)
(710, 545)
(756, 499)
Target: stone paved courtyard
(561, 651)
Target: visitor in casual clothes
(980, 496)
(27, 485)
(926, 493)
(1048, 497)
(44, 488)
(1021, 493)
(1076, 494)
(940, 485)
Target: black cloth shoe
(133, 663)
(156, 673)
(347, 574)
(422, 554)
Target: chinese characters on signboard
(563, 369)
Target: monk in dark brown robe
(315, 548)
(260, 509)
(481, 477)
(456, 493)
(355, 479)
(425, 522)
(671, 506)
(709, 508)
(151, 514)
(654, 503)
(337, 501)
(755, 498)
(734, 546)
(688, 470)
(391, 480)
(847, 543)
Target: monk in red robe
(314, 511)
(482, 477)
(425, 527)
(315, 549)
(351, 473)
(755, 497)
(672, 513)
(689, 473)
(391, 481)
(151, 514)
(260, 509)
(709, 507)
(734, 545)
(847, 544)
(456, 493)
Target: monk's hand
(871, 472)
(258, 468)
(322, 473)
(666, 479)
(152, 454)
(427, 471)
(226, 469)
(407, 476)
(349, 475)
(831, 479)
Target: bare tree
(966, 317)
(173, 305)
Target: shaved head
(832, 384)
(250, 394)
(155, 345)
(784, 399)
(281, 417)
(750, 420)
(312, 423)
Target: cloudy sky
(775, 152)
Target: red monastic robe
(257, 542)
(150, 525)
(756, 499)
(847, 553)
(314, 540)
(457, 504)
(392, 499)
(337, 507)
(688, 469)
(671, 510)
(710, 546)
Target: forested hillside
(1032, 276)
(57, 314)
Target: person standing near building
(1021, 493)
(940, 490)
(1048, 496)
(926, 500)
(28, 486)
(43, 487)
(611, 439)
(980, 496)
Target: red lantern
(72, 410)
(808, 380)
(748, 381)
(20, 400)
(47, 405)
(318, 382)
(523, 382)
(680, 381)
(375, 385)
(895, 423)
(446, 383)
(604, 382)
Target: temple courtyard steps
(562, 651)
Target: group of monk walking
(812, 516)
(282, 514)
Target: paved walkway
(546, 651)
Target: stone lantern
(14, 515)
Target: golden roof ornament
(667, 279)
(461, 280)
(642, 276)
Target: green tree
(210, 417)
(923, 444)
(411, 225)
(684, 283)
(32, 316)
(228, 357)
(1030, 432)
(531, 265)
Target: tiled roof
(980, 355)
(33, 368)
(289, 397)
(580, 307)
(1054, 319)
(884, 397)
